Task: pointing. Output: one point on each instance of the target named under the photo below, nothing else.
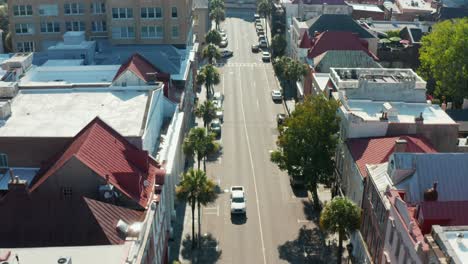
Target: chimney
(16, 184)
(431, 194)
(400, 145)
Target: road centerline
(253, 173)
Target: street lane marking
(253, 173)
(258, 105)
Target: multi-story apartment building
(38, 24)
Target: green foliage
(218, 15)
(289, 69)
(213, 37)
(209, 76)
(216, 4)
(393, 33)
(200, 143)
(196, 188)
(4, 17)
(444, 59)
(306, 148)
(340, 216)
(206, 111)
(278, 45)
(264, 8)
(211, 52)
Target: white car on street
(276, 95)
(266, 56)
(238, 205)
(218, 96)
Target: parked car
(263, 44)
(215, 127)
(276, 95)
(280, 118)
(222, 34)
(255, 48)
(257, 20)
(220, 115)
(238, 200)
(261, 34)
(256, 16)
(261, 38)
(218, 96)
(226, 53)
(258, 27)
(223, 43)
(221, 31)
(296, 182)
(266, 56)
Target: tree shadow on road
(310, 212)
(214, 157)
(299, 192)
(308, 247)
(208, 253)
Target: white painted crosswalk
(242, 64)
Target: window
(151, 32)
(67, 193)
(22, 10)
(174, 12)
(48, 10)
(123, 33)
(151, 12)
(24, 28)
(122, 13)
(50, 27)
(75, 26)
(27, 46)
(175, 31)
(98, 8)
(73, 8)
(99, 26)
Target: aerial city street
(229, 131)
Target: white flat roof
(63, 46)
(322, 80)
(64, 112)
(458, 245)
(364, 7)
(372, 111)
(63, 63)
(419, 5)
(69, 75)
(79, 254)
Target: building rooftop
(78, 254)
(26, 174)
(449, 213)
(366, 7)
(319, 2)
(378, 149)
(69, 76)
(330, 22)
(398, 112)
(142, 68)
(344, 58)
(62, 63)
(64, 112)
(337, 40)
(322, 80)
(382, 26)
(453, 241)
(414, 5)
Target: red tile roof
(306, 43)
(337, 40)
(107, 216)
(111, 156)
(444, 213)
(141, 67)
(378, 150)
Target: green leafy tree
(200, 143)
(264, 9)
(340, 216)
(211, 52)
(306, 149)
(217, 15)
(278, 45)
(217, 4)
(209, 76)
(444, 59)
(207, 195)
(393, 33)
(289, 70)
(213, 37)
(188, 190)
(206, 111)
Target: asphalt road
(273, 230)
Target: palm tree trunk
(193, 223)
(204, 164)
(199, 160)
(199, 226)
(315, 196)
(340, 248)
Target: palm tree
(206, 196)
(340, 215)
(207, 111)
(213, 37)
(209, 76)
(217, 14)
(199, 143)
(211, 52)
(216, 3)
(264, 9)
(188, 190)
